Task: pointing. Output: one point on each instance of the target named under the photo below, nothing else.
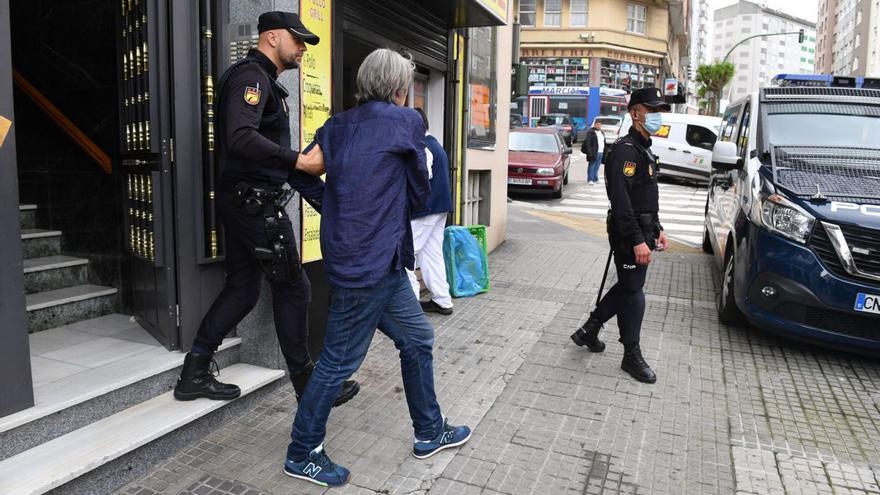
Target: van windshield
(849, 126)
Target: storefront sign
(670, 87)
(589, 52)
(559, 90)
(497, 7)
(316, 99)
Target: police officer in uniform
(256, 159)
(634, 231)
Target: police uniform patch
(650, 169)
(252, 95)
(629, 168)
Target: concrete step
(89, 370)
(36, 243)
(68, 462)
(54, 272)
(28, 216)
(58, 307)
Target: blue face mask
(653, 121)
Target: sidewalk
(733, 411)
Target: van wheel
(728, 312)
(707, 244)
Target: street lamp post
(799, 32)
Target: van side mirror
(725, 157)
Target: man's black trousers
(625, 299)
(290, 300)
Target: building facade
(847, 38)
(758, 60)
(699, 51)
(615, 44)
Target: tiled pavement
(734, 411)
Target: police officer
(634, 231)
(256, 159)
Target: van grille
(864, 244)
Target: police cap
(288, 21)
(650, 97)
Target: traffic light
(801, 35)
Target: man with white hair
(376, 177)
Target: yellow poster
(316, 99)
(497, 7)
(5, 124)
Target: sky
(805, 9)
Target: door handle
(686, 151)
(672, 149)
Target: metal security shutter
(403, 23)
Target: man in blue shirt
(428, 226)
(376, 176)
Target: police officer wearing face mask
(634, 231)
(256, 159)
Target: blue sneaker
(317, 468)
(450, 436)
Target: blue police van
(793, 211)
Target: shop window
(627, 76)
(578, 13)
(527, 12)
(552, 72)
(552, 13)
(482, 88)
(636, 18)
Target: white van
(683, 144)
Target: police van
(793, 211)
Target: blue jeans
(392, 307)
(593, 168)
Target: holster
(650, 231)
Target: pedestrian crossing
(681, 207)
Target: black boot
(349, 389)
(588, 335)
(196, 380)
(634, 364)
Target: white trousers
(428, 247)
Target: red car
(537, 160)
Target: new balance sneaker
(317, 468)
(450, 436)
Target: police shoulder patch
(629, 168)
(252, 95)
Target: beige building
(617, 44)
(847, 38)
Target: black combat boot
(197, 380)
(349, 389)
(588, 335)
(634, 364)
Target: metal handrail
(69, 128)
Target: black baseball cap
(288, 21)
(650, 97)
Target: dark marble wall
(66, 49)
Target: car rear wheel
(728, 312)
(707, 244)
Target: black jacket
(631, 183)
(591, 145)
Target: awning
(469, 13)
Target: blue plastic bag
(467, 268)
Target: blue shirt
(441, 199)
(376, 175)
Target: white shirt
(601, 138)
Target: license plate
(867, 303)
(519, 182)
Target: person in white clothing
(594, 147)
(428, 227)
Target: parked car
(537, 160)
(683, 145)
(563, 124)
(793, 214)
(516, 120)
(610, 125)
